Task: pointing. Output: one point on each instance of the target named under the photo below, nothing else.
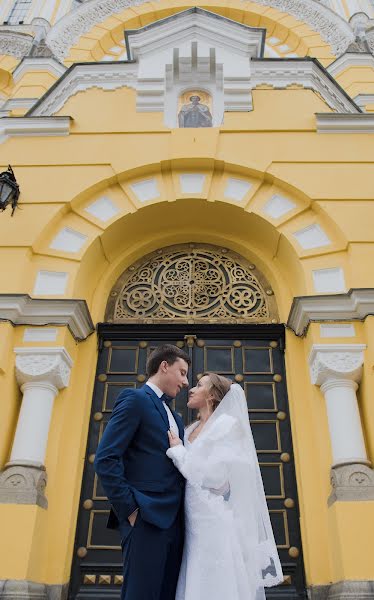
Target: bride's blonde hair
(219, 386)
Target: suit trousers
(152, 559)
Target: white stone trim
(340, 123)
(67, 31)
(350, 59)
(68, 240)
(311, 237)
(305, 72)
(363, 100)
(337, 330)
(23, 310)
(357, 304)
(81, 77)
(329, 280)
(277, 73)
(29, 64)
(40, 334)
(31, 126)
(102, 209)
(15, 43)
(51, 283)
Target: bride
(229, 549)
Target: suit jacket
(132, 464)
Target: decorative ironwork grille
(192, 283)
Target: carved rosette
(332, 361)
(192, 283)
(43, 365)
(351, 482)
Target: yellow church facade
(200, 175)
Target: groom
(143, 486)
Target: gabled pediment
(228, 37)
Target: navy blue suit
(135, 472)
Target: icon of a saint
(195, 114)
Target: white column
(41, 373)
(337, 369)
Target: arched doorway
(218, 307)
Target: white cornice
(350, 59)
(14, 104)
(20, 309)
(27, 65)
(363, 100)
(308, 73)
(31, 126)
(279, 73)
(67, 31)
(80, 77)
(355, 305)
(349, 123)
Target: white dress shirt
(172, 423)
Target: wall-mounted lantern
(9, 190)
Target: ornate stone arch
(192, 283)
(66, 32)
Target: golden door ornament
(191, 283)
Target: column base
(12, 589)
(344, 590)
(23, 484)
(351, 482)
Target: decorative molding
(350, 59)
(80, 77)
(15, 43)
(279, 73)
(48, 64)
(305, 72)
(336, 361)
(354, 482)
(213, 285)
(16, 104)
(348, 123)
(67, 31)
(15, 589)
(355, 305)
(31, 126)
(20, 309)
(343, 590)
(23, 484)
(44, 365)
(363, 100)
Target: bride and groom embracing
(189, 504)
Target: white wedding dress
(229, 551)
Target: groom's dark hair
(166, 352)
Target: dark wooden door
(250, 355)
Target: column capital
(336, 361)
(45, 365)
